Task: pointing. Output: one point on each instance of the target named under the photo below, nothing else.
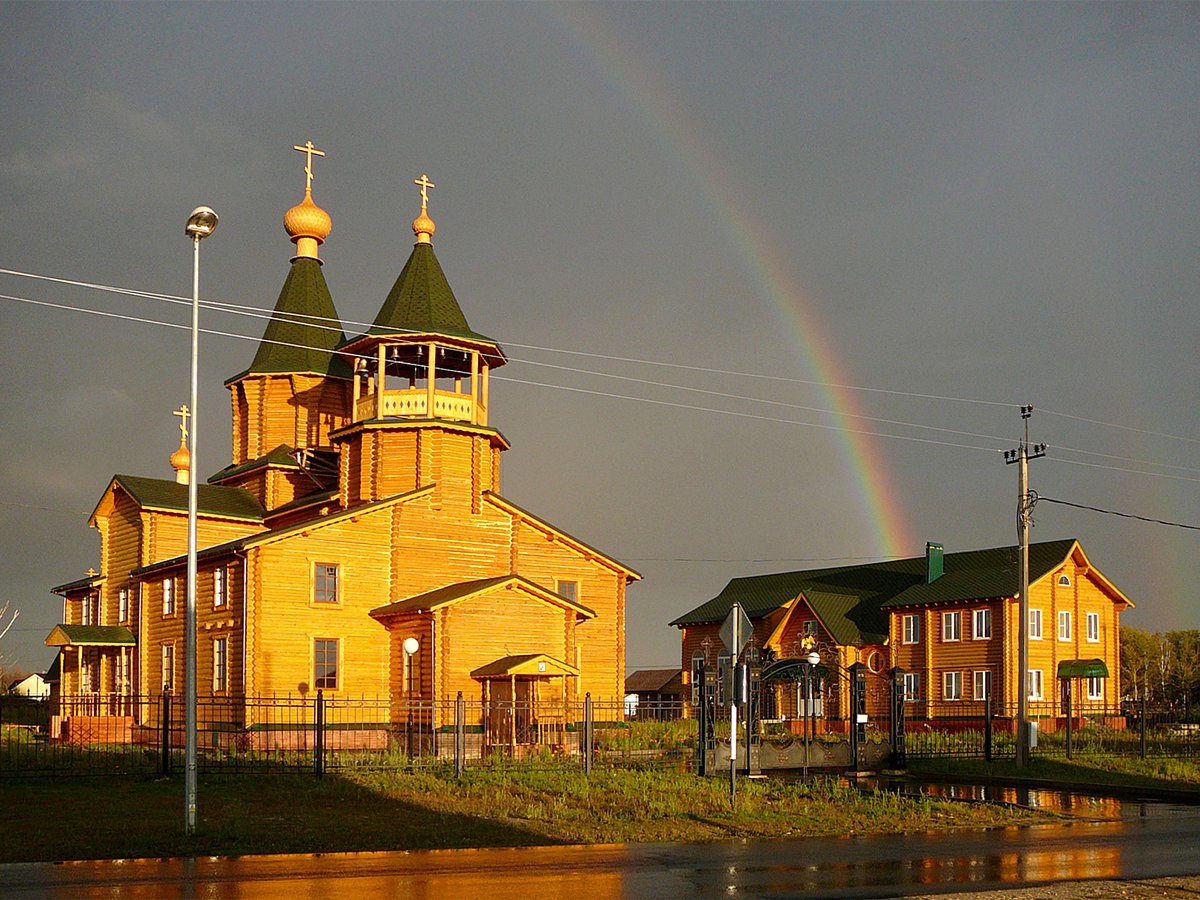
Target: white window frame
(951, 626)
(1095, 687)
(1064, 580)
(1064, 619)
(124, 673)
(951, 686)
(123, 605)
(220, 587)
(981, 625)
(220, 649)
(1093, 628)
(912, 687)
(1034, 683)
(1035, 624)
(981, 684)
(168, 667)
(910, 625)
(168, 589)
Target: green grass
(512, 805)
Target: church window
(325, 663)
(569, 589)
(168, 667)
(123, 606)
(220, 664)
(168, 596)
(325, 583)
(220, 586)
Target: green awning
(1082, 668)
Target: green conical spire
(304, 329)
(421, 301)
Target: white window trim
(1099, 694)
(220, 587)
(981, 678)
(220, 684)
(1090, 619)
(1035, 680)
(169, 598)
(1064, 617)
(123, 606)
(986, 615)
(907, 635)
(954, 616)
(1035, 615)
(912, 687)
(951, 686)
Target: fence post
(858, 713)
(1066, 697)
(165, 763)
(700, 692)
(987, 727)
(587, 734)
(898, 731)
(319, 735)
(1143, 718)
(460, 738)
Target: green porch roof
(452, 593)
(304, 330)
(852, 602)
(90, 636)
(1082, 668)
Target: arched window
(1064, 580)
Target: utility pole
(1026, 499)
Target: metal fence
(145, 734)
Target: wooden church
(357, 543)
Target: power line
(1125, 515)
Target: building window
(1064, 581)
(1035, 624)
(912, 687)
(325, 663)
(981, 626)
(1093, 628)
(220, 586)
(123, 606)
(325, 583)
(168, 667)
(912, 629)
(982, 685)
(569, 589)
(1064, 625)
(87, 677)
(1095, 688)
(91, 609)
(1035, 684)
(220, 664)
(952, 685)
(952, 626)
(809, 627)
(168, 596)
(124, 673)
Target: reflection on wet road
(1139, 846)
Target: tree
(1141, 654)
(8, 616)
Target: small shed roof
(538, 664)
(90, 636)
(647, 681)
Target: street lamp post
(812, 659)
(200, 224)
(411, 646)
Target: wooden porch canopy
(524, 665)
(1082, 668)
(90, 636)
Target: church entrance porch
(525, 703)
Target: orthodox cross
(309, 152)
(425, 184)
(184, 415)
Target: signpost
(735, 632)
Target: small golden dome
(181, 462)
(306, 219)
(423, 226)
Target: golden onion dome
(423, 226)
(307, 220)
(181, 460)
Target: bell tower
(419, 390)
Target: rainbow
(877, 501)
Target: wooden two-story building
(358, 542)
(949, 621)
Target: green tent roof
(211, 499)
(421, 301)
(304, 329)
(852, 602)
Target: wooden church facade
(360, 512)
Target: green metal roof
(421, 301)
(304, 329)
(852, 602)
(211, 499)
(280, 456)
(1082, 668)
(90, 636)
(87, 581)
(453, 592)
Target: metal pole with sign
(735, 634)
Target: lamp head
(813, 658)
(411, 645)
(202, 222)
